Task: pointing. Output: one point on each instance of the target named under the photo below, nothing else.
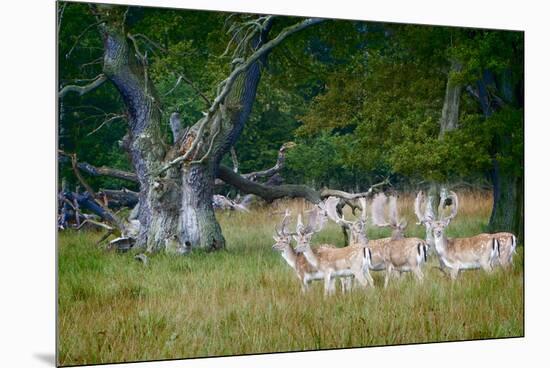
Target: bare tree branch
(102, 171)
(80, 36)
(192, 85)
(60, 17)
(275, 169)
(217, 109)
(268, 46)
(157, 45)
(98, 81)
(106, 121)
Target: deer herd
(395, 254)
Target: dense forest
(424, 106)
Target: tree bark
(176, 183)
(199, 225)
(451, 105)
(157, 215)
(507, 211)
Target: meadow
(245, 299)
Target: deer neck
(397, 234)
(359, 240)
(430, 239)
(311, 258)
(289, 256)
(441, 244)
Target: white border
(28, 177)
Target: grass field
(245, 299)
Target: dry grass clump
(245, 299)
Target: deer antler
(377, 210)
(363, 204)
(284, 223)
(316, 220)
(428, 214)
(454, 209)
(332, 213)
(300, 228)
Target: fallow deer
(304, 271)
(353, 260)
(397, 252)
(458, 254)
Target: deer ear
(275, 238)
(295, 237)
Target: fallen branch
(102, 171)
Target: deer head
(357, 228)
(316, 221)
(425, 217)
(282, 237)
(444, 221)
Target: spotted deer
(304, 271)
(456, 254)
(396, 253)
(353, 260)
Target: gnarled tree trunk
(176, 182)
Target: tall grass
(245, 299)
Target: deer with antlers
(456, 254)
(304, 271)
(353, 260)
(396, 253)
(507, 242)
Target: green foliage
(361, 99)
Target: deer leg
(332, 285)
(454, 273)
(327, 283)
(486, 266)
(398, 275)
(367, 275)
(389, 269)
(361, 278)
(346, 283)
(305, 285)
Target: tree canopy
(362, 100)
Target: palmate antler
(331, 204)
(428, 214)
(284, 224)
(357, 228)
(378, 209)
(454, 207)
